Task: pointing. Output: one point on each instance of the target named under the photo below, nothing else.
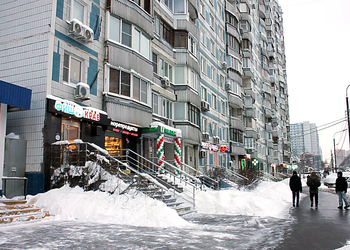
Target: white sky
(317, 42)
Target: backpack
(313, 185)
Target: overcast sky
(317, 43)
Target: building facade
(207, 77)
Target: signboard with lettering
(125, 128)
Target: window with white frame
(211, 21)
(202, 37)
(192, 45)
(193, 114)
(203, 65)
(72, 69)
(214, 101)
(214, 128)
(193, 79)
(202, 9)
(165, 69)
(204, 94)
(223, 107)
(249, 143)
(212, 46)
(128, 85)
(176, 6)
(204, 125)
(162, 106)
(76, 10)
(213, 73)
(221, 55)
(222, 81)
(224, 134)
(220, 33)
(129, 35)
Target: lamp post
(347, 111)
(335, 151)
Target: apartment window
(246, 44)
(126, 84)
(192, 45)
(214, 128)
(193, 80)
(236, 135)
(249, 143)
(204, 125)
(72, 69)
(193, 114)
(243, 8)
(232, 42)
(202, 9)
(144, 4)
(202, 37)
(221, 55)
(246, 26)
(222, 81)
(220, 33)
(166, 108)
(155, 103)
(125, 33)
(223, 107)
(155, 62)
(204, 94)
(76, 10)
(212, 46)
(203, 65)
(166, 70)
(211, 21)
(214, 101)
(181, 37)
(213, 73)
(231, 19)
(224, 134)
(165, 31)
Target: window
(165, 31)
(193, 80)
(71, 69)
(204, 125)
(162, 106)
(220, 33)
(193, 114)
(214, 101)
(224, 134)
(126, 84)
(75, 9)
(155, 62)
(192, 47)
(202, 9)
(223, 107)
(221, 55)
(211, 21)
(120, 31)
(155, 103)
(236, 135)
(180, 39)
(231, 19)
(214, 128)
(202, 37)
(203, 65)
(213, 73)
(166, 70)
(144, 4)
(232, 42)
(222, 81)
(212, 46)
(204, 94)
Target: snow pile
(269, 199)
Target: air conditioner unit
(216, 140)
(82, 91)
(76, 28)
(228, 86)
(202, 154)
(165, 82)
(224, 65)
(205, 105)
(205, 137)
(88, 33)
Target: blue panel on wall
(59, 9)
(211, 159)
(15, 95)
(94, 20)
(92, 76)
(35, 183)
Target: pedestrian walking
(313, 183)
(295, 187)
(341, 187)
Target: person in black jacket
(341, 187)
(295, 186)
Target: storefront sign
(169, 140)
(224, 149)
(77, 110)
(211, 147)
(125, 128)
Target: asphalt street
(324, 228)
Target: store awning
(16, 97)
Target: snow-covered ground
(269, 199)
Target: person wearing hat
(295, 186)
(341, 187)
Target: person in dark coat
(341, 187)
(313, 183)
(295, 186)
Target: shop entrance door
(70, 130)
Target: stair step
(19, 211)
(27, 217)
(184, 210)
(170, 200)
(13, 202)
(174, 204)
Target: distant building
(304, 137)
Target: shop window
(76, 10)
(113, 145)
(72, 69)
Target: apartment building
(201, 83)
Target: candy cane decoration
(177, 155)
(160, 152)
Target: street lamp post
(347, 112)
(335, 151)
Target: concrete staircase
(19, 210)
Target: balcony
(276, 134)
(268, 127)
(270, 144)
(237, 148)
(235, 100)
(251, 133)
(236, 123)
(231, 7)
(250, 112)
(248, 35)
(233, 31)
(247, 17)
(266, 88)
(270, 159)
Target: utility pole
(332, 160)
(347, 112)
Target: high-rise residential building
(207, 78)
(305, 139)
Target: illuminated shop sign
(211, 147)
(77, 110)
(125, 128)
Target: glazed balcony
(236, 123)
(231, 7)
(233, 31)
(237, 148)
(235, 100)
(251, 133)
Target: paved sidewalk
(324, 228)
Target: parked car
(329, 181)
